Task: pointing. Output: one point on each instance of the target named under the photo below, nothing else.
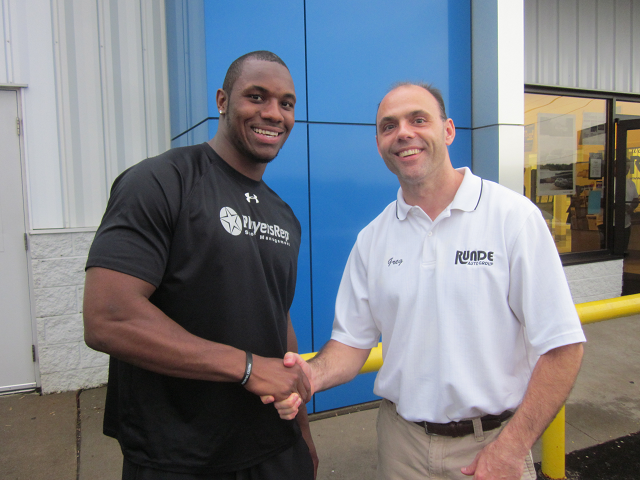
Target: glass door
(627, 219)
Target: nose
(405, 130)
(271, 111)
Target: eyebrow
(264, 90)
(386, 119)
(390, 118)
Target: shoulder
(378, 224)
(504, 198)
(173, 172)
(499, 201)
(177, 161)
(509, 212)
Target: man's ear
(221, 101)
(449, 131)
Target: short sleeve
(353, 323)
(539, 294)
(135, 233)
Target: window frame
(607, 254)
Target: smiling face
(257, 116)
(412, 137)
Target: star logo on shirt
(230, 221)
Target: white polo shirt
(465, 303)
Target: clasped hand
(271, 378)
(288, 406)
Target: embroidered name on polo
(392, 261)
(474, 257)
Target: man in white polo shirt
(462, 280)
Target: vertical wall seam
(4, 38)
(164, 69)
(7, 41)
(615, 50)
(577, 47)
(558, 50)
(596, 80)
(631, 48)
(538, 46)
(187, 66)
(103, 87)
(145, 89)
(306, 87)
(59, 101)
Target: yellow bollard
(553, 448)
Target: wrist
(248, 368)
(314, 376)
(510, 441)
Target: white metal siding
(12, 12)
(591, 44)
(112, 96)
(5, 48)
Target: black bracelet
(247, 369)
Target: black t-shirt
(222, 251)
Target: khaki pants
(406, 452)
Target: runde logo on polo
(230, 221)
(474, 257)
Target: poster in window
(595, 165)
(556, 154)
(593, 128)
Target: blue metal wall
(343, 57)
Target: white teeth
(265, 132)
(406, 153)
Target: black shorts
(292, 464)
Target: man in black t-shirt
(189, 284)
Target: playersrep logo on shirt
(235, 225)
(474, 257)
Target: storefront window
(565, 160)
(628, 108)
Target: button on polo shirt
(464, 302)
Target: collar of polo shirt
(467, 197)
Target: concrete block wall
(65, 362)
(595, 281)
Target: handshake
(288, 407)
(295, 380)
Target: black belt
(464, 427)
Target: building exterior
(90, 88)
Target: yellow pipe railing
(592, 312)
(373, 363)
(553, 443)
(553, 439)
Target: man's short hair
(235, 69)
(437, 94)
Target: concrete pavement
(40, 435)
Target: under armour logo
(251, 197)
